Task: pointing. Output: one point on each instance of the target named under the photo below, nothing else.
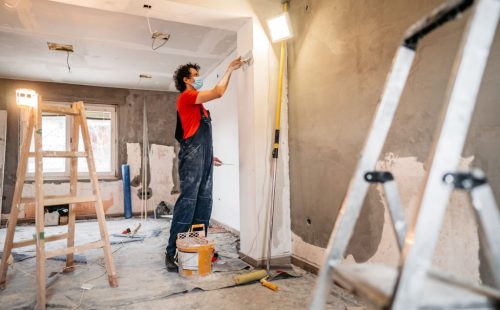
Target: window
(56, 136)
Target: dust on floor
(144, 283)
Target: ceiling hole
(308, 220)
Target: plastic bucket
(194, 253)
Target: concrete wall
(338, 62)
(161, 118)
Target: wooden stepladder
(78, 121)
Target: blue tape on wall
(127, 202)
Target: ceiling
(111, 39)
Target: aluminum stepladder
(420, 242)
(34, 128)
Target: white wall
(224, 113)
(257, 91)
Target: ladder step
(61, 200)
(452, 279)
(58, 109)
(75, 249)
(60, 154)
(24, 243)
(375, 284)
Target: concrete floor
(144, 282)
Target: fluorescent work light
(280, 27)
(26, 97)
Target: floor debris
(144, 282)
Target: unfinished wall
(161, 119)
(338, 62)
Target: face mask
(198, 83)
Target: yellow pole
(276, 145)
(280, 94)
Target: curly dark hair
(183, 72)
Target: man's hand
(217, 162)
(236, 64)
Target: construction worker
(196, 160)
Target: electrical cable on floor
(22, 271)
(80, 302)
(95, 278)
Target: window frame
(65, 176)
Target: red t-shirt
(189, 112)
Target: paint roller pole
(276, 146)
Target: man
(194, 132)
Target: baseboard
(262, 263)
(305, 265)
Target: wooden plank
(18, 189)
(3, 142)
(68, 154)
(68, 200)
(61, 200)
(39, 210)
(351, 278)
(32, 199)
(375, 284)
(108, 259)
(75, 136)
(58, 109)
(76, 249)
(21, 244)
(452, 279)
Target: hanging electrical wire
(157, 36)
(67, 62)
(158, 46)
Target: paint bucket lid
(192, 241)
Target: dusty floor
(144, 282)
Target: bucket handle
(196, 227)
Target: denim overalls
(194, 205)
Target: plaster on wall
(338, 62)
(458, 247)
(111, 195)
(161, 160)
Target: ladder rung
(57, 109)
(24, 243)
(457, 281)
(76, 249)
(60, 154)
(375, 283)
(61, 200)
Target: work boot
(171, 263)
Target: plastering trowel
(247, 60)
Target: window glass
(100, 131)
(53, 139)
